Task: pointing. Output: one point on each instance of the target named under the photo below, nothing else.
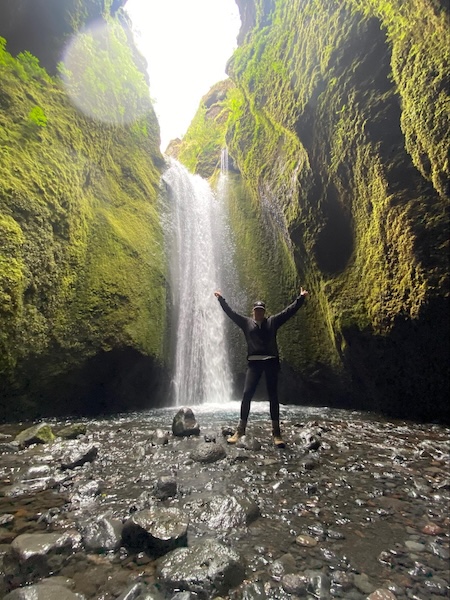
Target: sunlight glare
(100, 77)
(186, 45)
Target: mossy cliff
(82, 272)
(336, 119)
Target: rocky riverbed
(135, 508)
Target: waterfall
(224, 161)
(196, 231)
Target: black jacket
(262, 340)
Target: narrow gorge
(335, 120)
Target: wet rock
(71, 432)
(381, 594)
(363, 584)
(184, 423)
(253, 590)
(432, 529)
(6, 518)
(310, 439)
(207, 567)
(62, 581)
(35, 555)
(36, 471)
(139, 591)
(437, 586)
(42, 591)
(224, 513)
(343, 580)
(37, 434)
(102, 535)
(78, 456)
(249, 442)
(156, 530)
(319, 584)
(439, 550)
(165, 487)
(306, 540)
(282, 566)
(159, 438)
(295, 584)
(413, 546)
(208, 453)
(309, 464)
(32, 486)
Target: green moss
(82, 263)
(338, 124)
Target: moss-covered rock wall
(337, 121)
(82, 269)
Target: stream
(355, 507)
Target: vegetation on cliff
(338, 122)
(82, 267)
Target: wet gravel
(355, 507)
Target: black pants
(255, 369)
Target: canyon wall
(336, 121)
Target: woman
(262, 357)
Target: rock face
(335, 118)
(82, 293)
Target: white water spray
(196, 238)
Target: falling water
(195, 239)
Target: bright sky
(186, 44)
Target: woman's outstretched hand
(217, 294)
(303, 292)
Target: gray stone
(310, 439)
(184, 423)
(71, 432)
(157, 530)
(165, 487)
(206, 567)
(42, 591)
(363, 584)
(253, 590)
(102, 535)
(282, 566)
(37, 434)
(36, 555)
(79, 456)
(295, 584)
(223, 513)
(209, 453)
(139, 591)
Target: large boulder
(36, 555)
(156, 530)
(209, 452)
(208, 567)
(37, 434)
(101, 535)
(184, 423)
(223, 513)
(79, 455)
